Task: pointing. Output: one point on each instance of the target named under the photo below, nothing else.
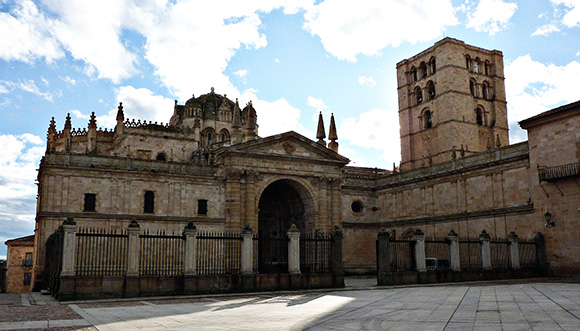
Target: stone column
(383, 257)
(454, 262)
(485, 250)
(247, 258)
(514, 251)
(69, 247)
(336, 262)
(190, 253)
(132, 277)
(419, 238)
(67, 274)
(293, 250)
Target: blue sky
(292, 59)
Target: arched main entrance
(282, 203)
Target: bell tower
(451, 102)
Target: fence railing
(53, 261)
(161, 254)
(398, 255)
(315, 252)
(218, 253)
(111, 246)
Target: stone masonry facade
(208, 165)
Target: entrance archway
(282, 203)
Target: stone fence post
(67, 274)
(514, 251)
(485, 250)
(293, 250)
(383, 257)
(132, 278)
(190, 254)
(247, 258)
(541, 254)
(336, 263)
(455, 262)
(419, 238)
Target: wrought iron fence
(161, 254)
(218, 253)
(53, 261)
(101, 252)
(528, 257)
(272, 254)
(315, 253)
(402, 255)
(500, 254)
(470, 254)
(437, 248)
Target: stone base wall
(429, 277)
(114, 287)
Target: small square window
(149, 202)
(90, 202)
(27, 279)
(202, 207)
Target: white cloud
(533, 87)
(319, 107)
(27, 34)
(377, 129)
(30, 86)
(349, 28)
(366, 81)
(277, 116)
(545, 30)
(241, 73)
(491, 16)
(18, 162)
(572, 16)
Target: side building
(19, 264)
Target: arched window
(224, 135)
(413, 74)
(423, 69)
(418, 95)
(487, 68)
(431, 90)
(208, 137)
(427, 119)
(433, 65)
(472, 88)
(161, 157)
(484, 90)
(476, 65)
(467, 62)
(479, 116)
(149, 202)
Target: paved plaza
(478, 306)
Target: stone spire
(333, 145)
(236, 124)
(320, 134)
(251, 122)
(120, 127)
(92, 134)
(66, 132)
(50, 136)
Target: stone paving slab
(492, 306)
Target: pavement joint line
(549, 298)
(87, 317)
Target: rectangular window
(202, 207)
(27, 279)
(149, 202)
(28, 260)
(90, 202)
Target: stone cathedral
(209, 165)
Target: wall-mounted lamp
(549, 222)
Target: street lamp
(548, 217)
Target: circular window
(357, 207)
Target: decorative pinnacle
(93, 121)
(67, 125)
(320, 134)
(52, 127)
(332, 132)
(121, 114)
